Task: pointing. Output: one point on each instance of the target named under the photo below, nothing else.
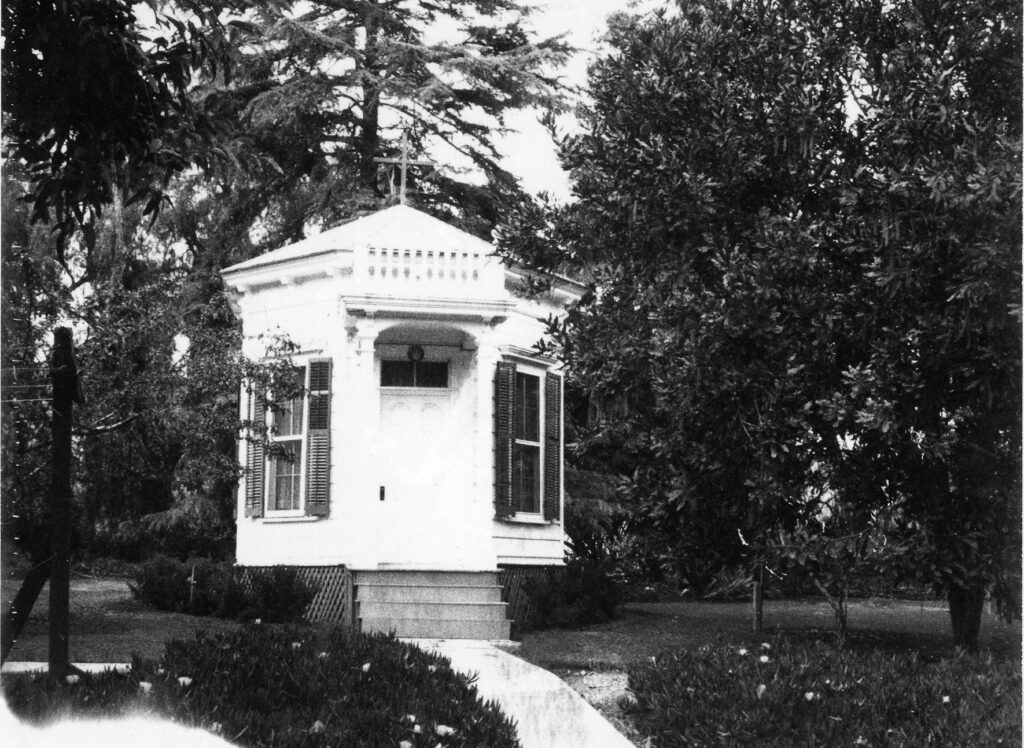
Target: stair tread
(410, 584)
(430, 602)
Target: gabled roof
(398, 227)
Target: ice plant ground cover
(284, 686)
(792, 693)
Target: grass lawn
(594, 660)
(642, 630)
(107, 623)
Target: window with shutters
(528, 443)
(287, 422)
(526, 448)
(289, 474)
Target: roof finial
(403, 162)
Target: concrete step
(402, 593)
(427, 578)
(422, 628)
(432, 611)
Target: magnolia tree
(801, 226)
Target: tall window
(526, 470)
(288, 431)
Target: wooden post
(758, 600)
(65, 378)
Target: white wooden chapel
(427, 453)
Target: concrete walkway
(547, 712)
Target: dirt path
(604, 690)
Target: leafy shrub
(190, 528)
(815, 694)
(285, 687)
(276, 595)
(577, 594)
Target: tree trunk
(369, 128)
(965, 606)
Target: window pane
(526, 478)
(414, 374)
(396, 374)
(287, 476)
(527, 416)
(288, 418)
(432, 374)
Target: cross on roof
(403, 162)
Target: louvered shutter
(504, 409)
(254, 456)
(552, 447)
(318, 440)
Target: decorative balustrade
(431, 272)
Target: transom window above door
(429, 374)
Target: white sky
(529, 152)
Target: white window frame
(269, 477)
(539, 373)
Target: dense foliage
(284, 687)
(801, 227)
(580, 593)
(97, 107)
(792, 694)
(286, 106)
(203, 587)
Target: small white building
(427, 454)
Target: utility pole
(65, 394)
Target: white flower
(405, 744)
(366, 667)
(184, 681)
(410, 718)
(742, 651)
(809, 695)
(444, 730)
(945, 699)
(322, 655)
(861, 740)
(318, 727)
(417, 729)
(296, 645)
(764, 658)
(71, 679)
(258, 620)
(216, 728)
(765, 645)
(761, 688)
(145, 686)
(431, 668)
(161, 671)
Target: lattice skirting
(515, 583)
(333, 600)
